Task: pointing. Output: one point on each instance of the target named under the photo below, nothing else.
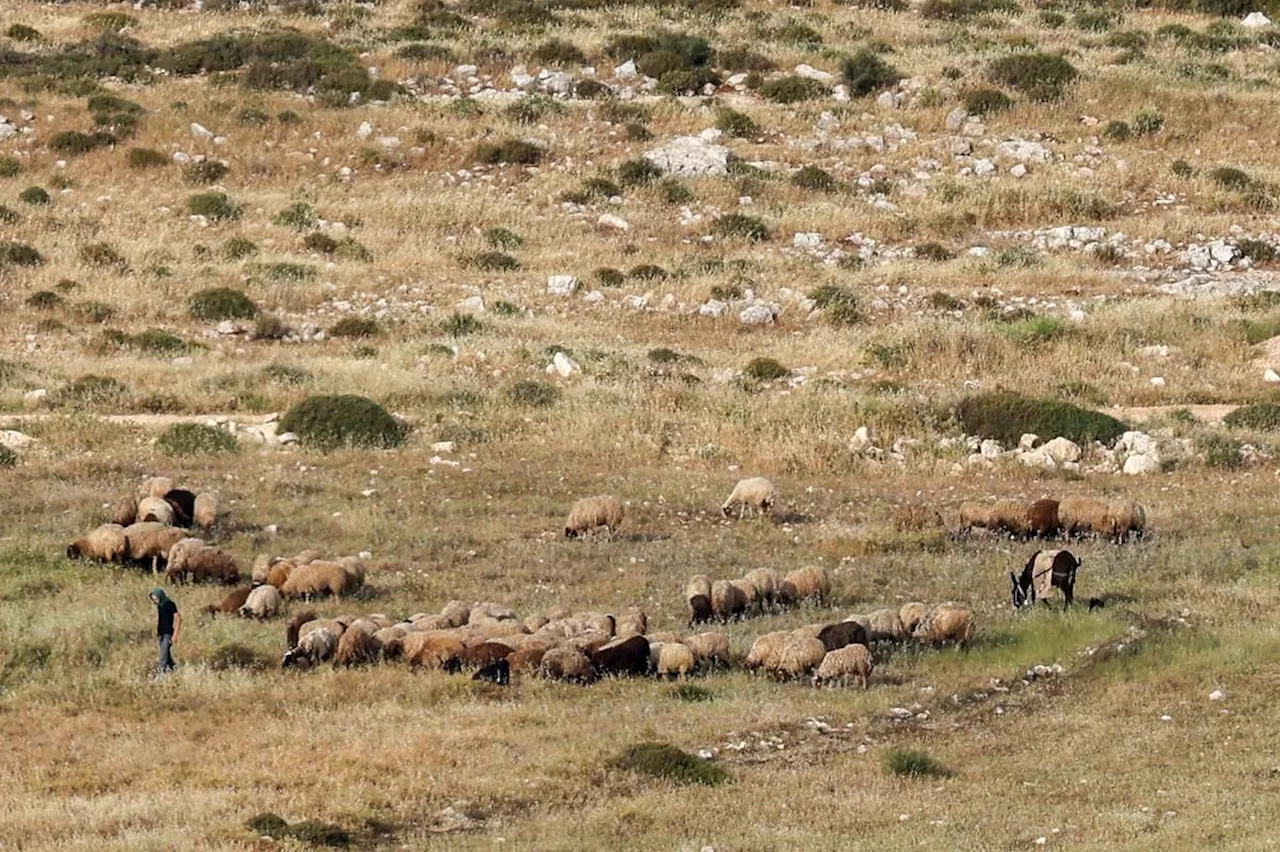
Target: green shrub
(1094, 20)
(533, 394)
(738, 225)
(1182, 169)
(114, 21)
(986, 102)
(1259, 252)
(669, 763)
(558, 52)
(609, 277)
(355, 327)
(159, 342)
(285, 271)
(45, 300)
(19, 254)
(743, 59)
(638, 173)
(503, 238)
(1034, 330)
(734, 123)
(283, 374)
(1006, 417)
(914, 764)
(1040, 76)
(238, 248)
(195, 439)
(1259, 416)
(598, 187)
(1052, 20)
(316, 833)
(838, 304)
(330, 422)
(934, 252)
(95, 312)
(672, 191)
(253, 117)
(22, 32)
(205, 172)
(532, 109)
(865, 72)
(511, 151)
(146, 158)
(318, 241)
(9, 167)
(75, 142)
(1230, 178)
(35, 196)
(1147, 122)
(299, 216)
(215, 206)
(8, 458)
(813, 177)
(460, 325)
(1117, 130)
(90, 390)
(222, 303)
(964, 10)
(692, 693)
(502, 308)
(1220, 451)
(493, 261)
(102, 254)
(765, 370)
(792, 90)
(647, 272)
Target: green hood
(159, 595)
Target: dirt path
(151, 421)
(1139, 414)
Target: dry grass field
(209, 215)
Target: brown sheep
(483, 654)
(884, 625)
(1009, 517)
(155, 509)
(765, 649)
(843, 663)
(279, 573)
(768, 583)
(947, 622)
(834, 636)
(231, 603)
(391, 642)
(526, 660)
(204, 511)
(633, 622)
(569, 664)
(1045, 571)
(192, 559)
(357, 647)
(1125, 519)
(622, 657)
(674, 659)
(750, 596)
(727, 600)
(431, 650)
(534, 623)
(107, 543)
(294, 628)
(156, 486)
(974, 515)
(319, 578)
(124, 511)
(799, 655)
(1082, 516)
(697, 592)
(809, 583)
(149, 543)
(910, 614)
(591, 513)
(317, 644)
(711, 649)
(1042, 519)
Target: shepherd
(168, 626)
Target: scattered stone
(1271, 376)
(562, 366)
(617, 223)
(561, 285)
(713, 308)
(1217, 695)
(811, 73)
(200, 131)
(759, 314)
(1255, 21)
(690, 156)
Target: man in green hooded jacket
(168, 625)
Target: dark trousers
(166, 658)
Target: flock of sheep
(152, 529)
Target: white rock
(1271, 376)
(200, 131)
(594, 296)
(617, 223)
(1138, 443)
(758, 314)
(34, 398)
(444, 447)
(287, 438)
(1018, 171)
(465, 71)
(1157, 381)
(889, 100)
(561, 285)
(1217, 695)
(811, 73)
(983, 167)
(181, 158)
(1028, 441)
(471, 305)
(1062, 450)
(365, 130)
(713, 308)
(861, 440)
(1023, 152)
(1255, 20)
(956, 119)
(1142, 465)
(806, 240)
(690, 156)
(626, 70)
(16, 440)
(562, 366)
(990, 449)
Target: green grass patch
(195, 439)
(665, 761)
(909, 763)
(1258, 415)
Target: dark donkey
(1045, 571)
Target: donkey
(1045, 571)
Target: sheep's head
(73, 550)
(570, 532)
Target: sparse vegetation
(35, 196)
(740, 226)
(793, 90)
(865, 72)
(195, 439)
(1039, 76)
(914, 764)
(669, 763)
(215, 206)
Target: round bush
(1006, 417)
(1259, 415)
(222, 303)
(330, 422)
(195, 439)
(765, 369)
(34, 195)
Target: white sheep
(843, 663)
(155, 509)
(264, 601)
(757, 494)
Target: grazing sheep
(483, 654)
(765, 649)
(149, 542)
(431, 622)
(204, 511)
(1009, 517)
(974, 515)
(107, 543)
(1125, 520)
(591, 513)
(279, 573)
(799, 655)
(756, 494)
(231, 603)
(834, 636)
(183, 503)
(947, 622)
(527, 660)
(812, 582)
(622, 657)
(675, 660)
(711, 649)
(534, 623)
(192, 559)
(498, 671)
(357, 647)
(315, 646)
(1045, 571)
(768, 582)
(431, 650)
(261, 568)
(698, 594)
(124, 511)
(294, 628)
(843, 663)
(633, 622)
(391, 641)
(570, 664)
(1042, 519)
(319, 578)
(884, 625)
(155, 509)
(263, 602)
(456, 613)
(749, 595)
(910, 615)
(156, 486)
(600, 622)
(727, 600)
(1081, 516)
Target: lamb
(192, 559)
(727, 600)
(947, 622)
(156, 486)
(155, 509)
(1045, 571)
(834, 636)
(974, 515)
(263, 602)
(591, 513)
(1124, 520)
(1042, 519)
(755, 494)
(124, 511)
(674, 659)
(107, 543)
(150, 542)
(231, 603)
(204, 511)
(1081, 516)
(569, 664)
(813, 582)
(314, 647)
(884, 625)
(319, 578)
(183, 504)
(768, 583)
(841, 664)
(798, 656)
(711, 649)
(622, 657)
(910, 615)
(698, 594)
